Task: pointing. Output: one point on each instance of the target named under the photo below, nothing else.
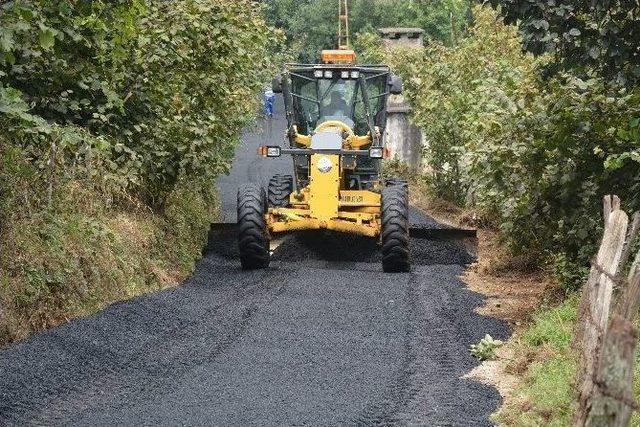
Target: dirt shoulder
(514, 291)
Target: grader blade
(415, 231)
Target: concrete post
(403, 138)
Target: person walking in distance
(268, 100)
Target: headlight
(328, 74)
(344, 75)
(273, 152)
(379, 153)
(317, 74)
(355, 74)
(324, 165)
(266, 151)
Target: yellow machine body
(324, 204)
(336, 112)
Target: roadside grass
(84, 253)
(553, 326)
(546, 365)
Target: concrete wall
(404, 139)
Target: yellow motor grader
(336, 114)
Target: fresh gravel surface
(323, 337)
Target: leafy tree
(532, 156)
(442, 20)
(158, 89)
(116, 118)
(600, 36)
(311, 25)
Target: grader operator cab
(336, 114)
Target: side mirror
(276, 84)
(396, 85)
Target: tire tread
(280, 188)
(253, 240)
(395, 227)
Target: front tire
(280, 188)
(253, 239)
(395, 229)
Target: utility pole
(452, 22)
(343, 25)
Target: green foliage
(465, 95)
(532, 156)
(116, 117)
(486, 348)
(70, 262)
(309, 25)
(596, 36)
(197, 68)
(160, 89)
(312, 25)
(570, 275)
(546, 394)
(553, 326)
(548, 385)
(442, 20)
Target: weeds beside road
(74, 261)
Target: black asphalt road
(321, 338)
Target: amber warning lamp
(342, 56)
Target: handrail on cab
(352, 141)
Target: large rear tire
(280, 188)
(395, 229)
(253, 239)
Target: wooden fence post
(613, 403)
(607, 348)
(609, 254)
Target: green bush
(587, 37)
(116, 119)
(160, 88)
(533, 156)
